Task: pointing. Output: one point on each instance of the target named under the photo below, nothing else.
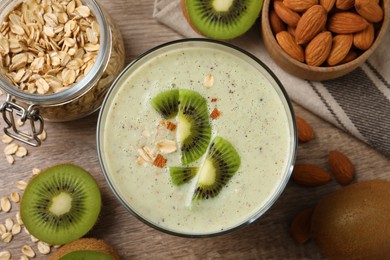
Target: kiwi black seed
(221, 19)
(181, 175)
(166, 103)
(221, 163)
(85, 249)
(61, 204)
(194, 128)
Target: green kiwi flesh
(61, 204)
(222, 19)
(166, 103)
(221, 163)
(194, 128)
(87, 255)
(182, 175)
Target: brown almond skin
(370, 10)
(310, 175)
(276, 23)
(286, 14)
(344, 4)
(354, 222)
(310, 24)
(288, 44)
(341, 44)
(341, 167)
(300, 226)
(364, 39)
(318, 49)
(346, 22)
(350, 57)
(299, 5)
(305, 131)
(327, 4)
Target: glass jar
(80, 100)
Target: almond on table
(342, 167)
(301, 225)
(310, 175)
(305, 131)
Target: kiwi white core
(184, 129)
(222, 5)
(61, 204)
(207, 174)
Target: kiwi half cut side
(194, 128)
(166, 103)
(221, 19)
(221, 163)
(61, 204)
(85, 249)
(182, 175)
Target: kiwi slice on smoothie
(221, 163)
(181, 175)
(85, 249)
(166, 103)
(194, 128)
(221, 19)
(61, 204)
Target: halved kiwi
(86, 249)
(61, 204)
(221, 19)
(181, 175)
(194, 128)
(221, 163)
(166, 103)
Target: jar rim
(85, 83)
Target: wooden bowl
(305, 71)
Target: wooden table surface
(267, 238)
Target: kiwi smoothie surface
(255, 118)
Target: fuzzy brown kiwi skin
(85, 244)
(185, 13)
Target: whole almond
(301, 225)
(318, 49)
(286, 14)
(341, 44)
(327, 4)
(288, 44)
(310, 24)
(370, 10)
(364, 39)
(350, 57)
(310, 175)
(346, 22)
(305, 131)
(299, 5)
(276, 23)
(344, 4)
(341, 167)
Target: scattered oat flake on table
(11, 149)
(6, 139)
(3, 229)
(28, 251)
(33, 239)
(43, 248)
(10, 159)
(215, 114)
(19, 218)
(35, 171)
(16, 229)
(9, 223)
(21, 185)
(160, 161)
(15, 197)
(5, 255)
(6, 237)
(42, 136)
(5, 204)
(21, 152)
(24, 257)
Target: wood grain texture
(267, 238)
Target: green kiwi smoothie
(244, 107)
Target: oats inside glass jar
(47, 46)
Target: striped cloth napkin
(358, 103)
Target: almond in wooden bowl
(367, 21)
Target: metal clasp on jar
(10, 110)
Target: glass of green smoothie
(197, 138)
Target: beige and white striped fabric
(358, 103)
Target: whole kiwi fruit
(354, 222)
